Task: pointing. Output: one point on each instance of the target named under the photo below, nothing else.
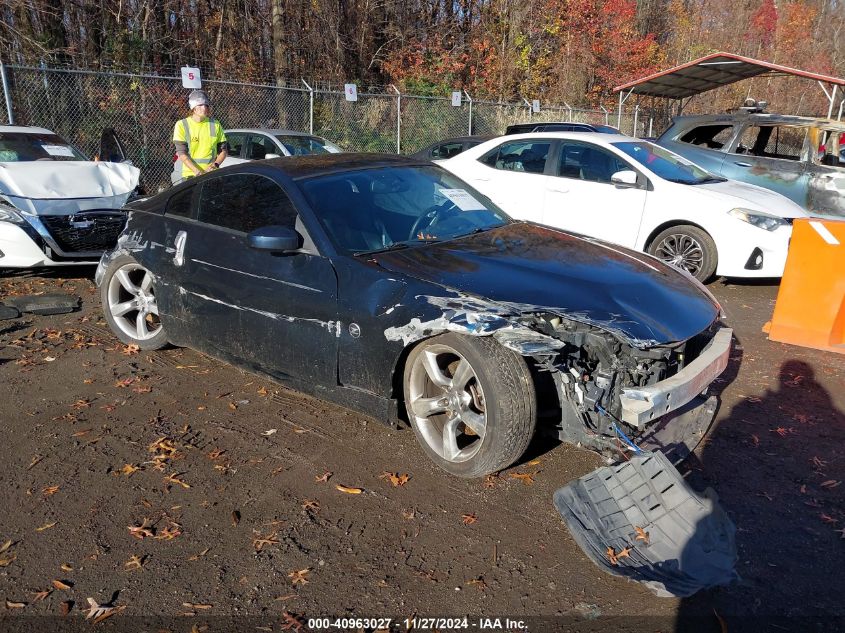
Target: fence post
(568, 107)
(606, 114)
(310, 106)
(636, 116)
(398, 120)
(469, 131)
(650, 126)
(528, 105)
(6, 94)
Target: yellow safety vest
(202, 139)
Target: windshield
(298, 145)
(392, 207)
(665, 164)
(25, 146)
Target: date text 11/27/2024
(417, 623)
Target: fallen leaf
(469, 519)
(827, 518)
(169, 533)
(124, 383)
(260, 541)
(50, 490)
(490, 480)
(58, 584)
(15, 605)
(66, 606)
(41, 595)
(642, 535)
(753, 399)
(395, 478)
(128, 351)
(611, 556)
(269, 432)
(141, 531)
(194, 605)
(201, 554)
(299, 577)
(5, 546)
(526, 478)
(311, 505)
(323, 478)
(533, 462)
(129, 469)
(625, 553)
(65, 567)
(173, 478)
(478, 582)
(409, 514)
(348, 490)
(46, 526)
(136, 562)
(101, 611)
(263, 391)
(830, 483)
(215, 453)
(292, 622)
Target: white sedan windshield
(665, 164)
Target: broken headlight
(8, 214)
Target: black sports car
(392, 287)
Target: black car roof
(298, 167)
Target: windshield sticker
(58, 150)
(463, 200)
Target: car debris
(639, 519)
(53, 303)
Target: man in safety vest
(200, 142)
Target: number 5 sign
(191, 77)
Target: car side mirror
(624, 178)
(271, 155)
(274, 239)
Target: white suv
(56, 206)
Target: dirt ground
(193, 496)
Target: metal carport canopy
(714, 71)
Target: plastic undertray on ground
(670, 538)
(44, 304)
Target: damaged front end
(614, 395)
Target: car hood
(44, 187)
(537, 269)
(748, 196)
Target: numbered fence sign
(351, 91)
(456, 98)
(191, 78)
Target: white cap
(198, 98)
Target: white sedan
(634, 193)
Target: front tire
(687, 247)
(128, 296)
(471, 403)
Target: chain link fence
(143, 109)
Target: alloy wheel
(682, 251)
(132, 302)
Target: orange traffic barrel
(810, 308)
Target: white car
(634, 193)
(58, 208)
(247, 144)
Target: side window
(588, 162)
(245, 202)
(236, 145)
(831, 149)
(527, 156)
(772, 141)
(180, 203)
(447, 150)
(261, 145)
(709, 136)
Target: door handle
(741, 164)
(179, 244)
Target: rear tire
(471, 403)
(687, 247)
